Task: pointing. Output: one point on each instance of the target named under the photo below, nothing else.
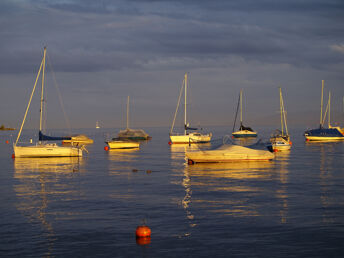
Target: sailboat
(132, 134)
(243, 131)
(280, 140)
(97, 125)
(43, 149)
(325, 134)
(187, 137)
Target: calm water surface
(70, 207)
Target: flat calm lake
(292, 206)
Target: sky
(102, 51)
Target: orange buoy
(275, 150)
(290, 143)
(307, 140)
(169, 143)
(143, 231)
(143, 240)
(106, 148)
(7, 141)
(13, 156)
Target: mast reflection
(41, 181)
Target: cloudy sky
(102, 51)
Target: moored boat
(190, 134)
(228, 153)
(325, 134)
(43, 149)
(280, 140)
(116, 143)
(244, 131)
(132, 134)
(78, 139)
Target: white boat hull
(123, 144)
(279, 144)
(46, 150)
(191, 138)
(228, 154)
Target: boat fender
(13, 156)
(290, 143)
(275, 150)
(169, 143)
(106, 148)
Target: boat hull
(244, 134)
(325, 134)
(46, 150)
(123, 144)
(190, 138)
(228, 154)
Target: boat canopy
(132, 133)
(190, 128)
(43, 137)
(242, 127)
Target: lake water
(292, 206)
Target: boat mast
(128, 113)
(329, 109)
(42, 91)
(185, 83)
(281, 110)
(240, 108)
(321, 103)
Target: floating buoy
(275, 150)
(290, 143)
(307, 140)
(169, 143)
(106, 148)
(143, 231)
(7, 141)
(13, 156)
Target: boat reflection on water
(39, 182)
(122, 155)
(178, 150)
(282, 163)
(233, 188)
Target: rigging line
(59, 95)
(236, 114)
(175, 114)
(28, 106)
(285, 117)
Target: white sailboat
(187, 137)
(97, 125)
(43, 149)
(243, 131)
(280, 140)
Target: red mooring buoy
(13, 156)
(7, 142)
(106, 148)
(143, 231)
(169, 143)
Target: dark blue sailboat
(325, 134)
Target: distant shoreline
(3, 128)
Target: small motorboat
(78, 139)
(117, 143)
(228, 153)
